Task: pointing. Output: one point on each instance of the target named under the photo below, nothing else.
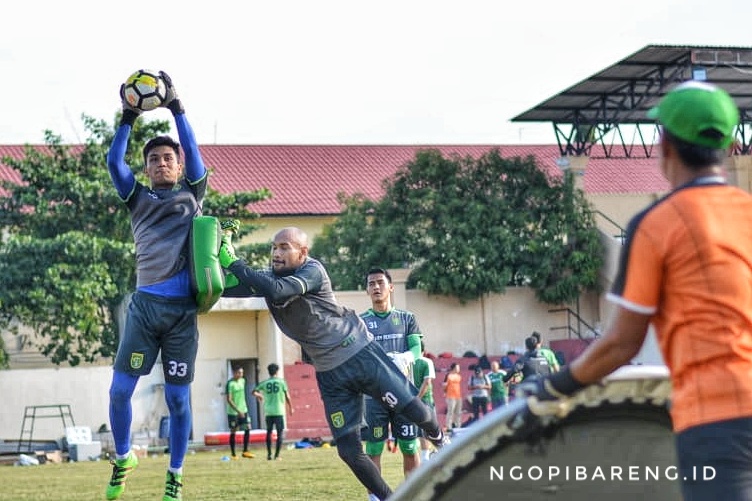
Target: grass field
(301, 474)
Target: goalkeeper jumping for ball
(348, 363)
(162, 312)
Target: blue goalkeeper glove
(130, 114)
(171, 102)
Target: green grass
(301, 474)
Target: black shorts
(234, 422)
(378, 419)
(277, 422)
(715, 460)
(368, 372)
(155, 324)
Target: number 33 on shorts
(177, 369)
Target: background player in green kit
(397, 332)
(424, 373)
(499, 393)
(272, 392)
(237, 411)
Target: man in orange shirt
(453, 395)
(686, 268)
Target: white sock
(175, 471)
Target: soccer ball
(145, 90)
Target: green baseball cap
(699, 113)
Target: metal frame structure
(606, 114)
(34, 412)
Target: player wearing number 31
(162, 312)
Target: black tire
(625, 450)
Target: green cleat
(173, 486)
(120, 470)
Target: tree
(68, 256)
(468, 227)
(345, 244)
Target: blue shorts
(715, 461)
(368, 372)
(157, 324)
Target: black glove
(171, 101)
(130, 114)
(553, 387)
(547, 396)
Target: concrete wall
(85, 390)
(617, 209)
(243, 329)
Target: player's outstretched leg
(350, 450)
(419, 413)
(439, 440)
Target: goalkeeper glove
(231, 280)
(227, 254)
(171, 102)
(547, 396)
(403, 360)
(553, 387)
(130, 114)
(231, 226)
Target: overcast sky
(333, 72)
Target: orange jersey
(687, 261)
(453, 385)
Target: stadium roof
(305, 179)
(594, 110)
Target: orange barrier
(223, 437)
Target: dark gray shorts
(378, 419)
(715, 460)
(368, 372)
(156, 323)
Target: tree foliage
(468, 227)
(67, 256)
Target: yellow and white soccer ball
(145, 90)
